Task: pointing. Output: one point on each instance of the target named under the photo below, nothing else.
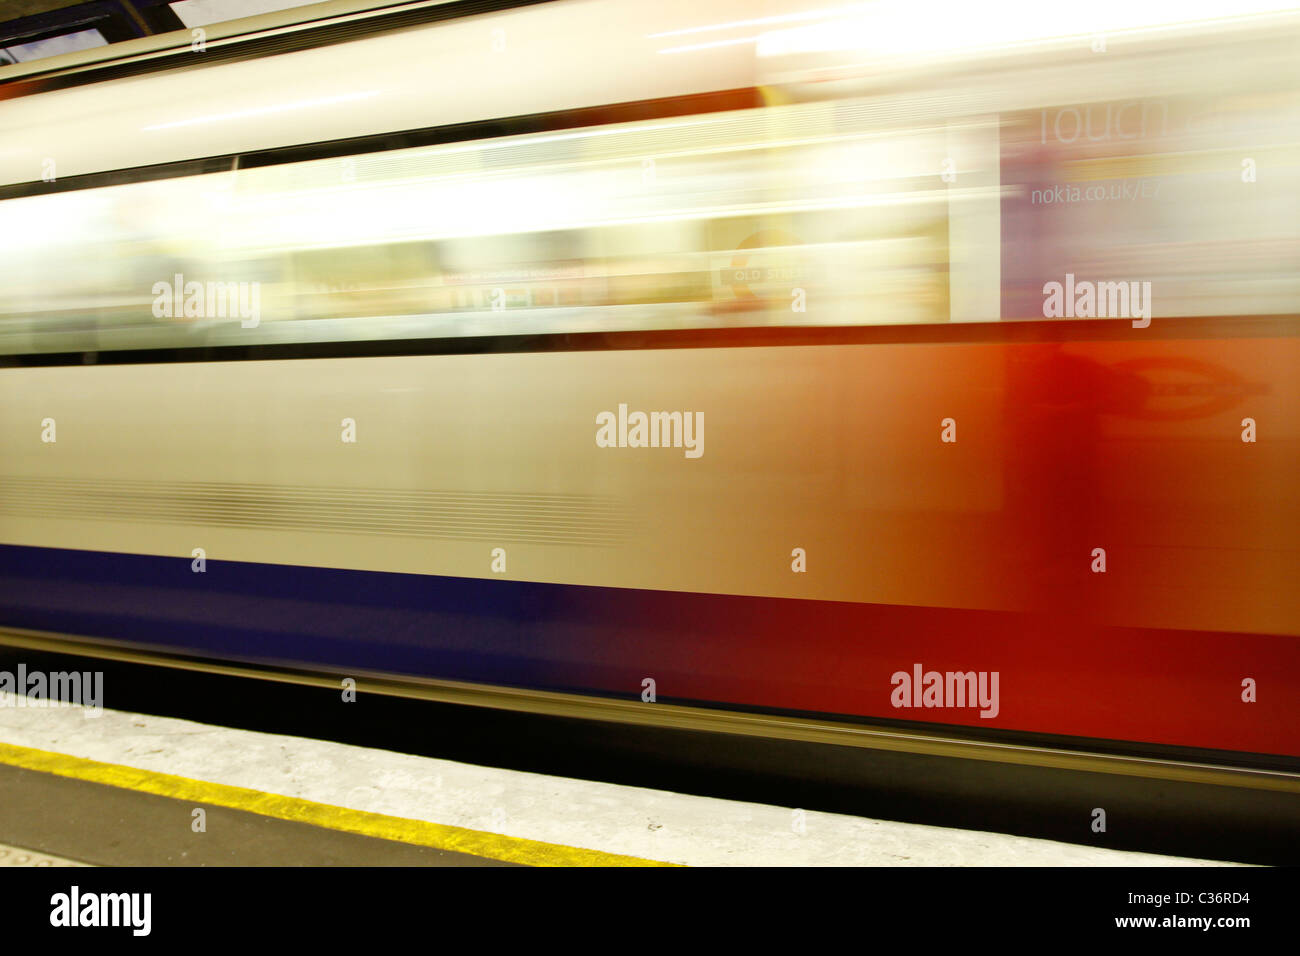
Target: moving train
(885, 374)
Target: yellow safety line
(494, 846)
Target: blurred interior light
(765, 21)
(708, 45)
(263, 110)
(909, 28)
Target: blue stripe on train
(497, 631)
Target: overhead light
(202, 13)
(53, 46)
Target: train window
(806, 214)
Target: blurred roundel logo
(1181, 388)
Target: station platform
(126, 789)
(16, 856)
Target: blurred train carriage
(827, 230)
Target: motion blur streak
(842, 264)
